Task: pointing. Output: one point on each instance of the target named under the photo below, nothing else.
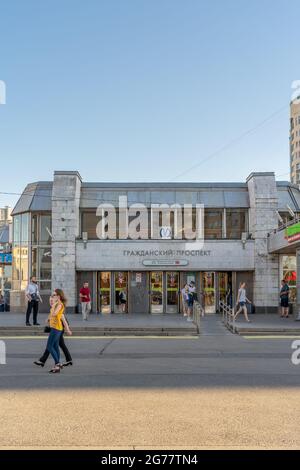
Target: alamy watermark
(2, 92)
(2, 353)
(296, 354)
(155, 221)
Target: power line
(207, 158)
(233, 142)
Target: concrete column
(263, 218)
(65, 230)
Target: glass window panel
(213, 223)
(120, 292)
(209, 291)
(34, 262)
(105, 294)
(24, 229)
(156, 289)
(289, 274)
(16, 263)
(172, 292)
(17, 229)
(235, 223)
(34, 228)
(45, 287)
(45, 261)
(24, 267)
(44, 233)
(6, 275)
(89, 224)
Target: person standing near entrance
(185, 299)
(33, 298)
(85, 298)
(241, 302)
(123, 300)
(229, 295)
(191, 299)
(284, 299)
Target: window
(236, 223)
(34, 262)
(89, 223)
(24, 229)
(45, 260)
(289, 274)
(20, 251)
(41, 252)
(183, 223)
(45, 228)
(34, 229)
(24, 266)
(213, 223)
(40, 228)
(17, 229)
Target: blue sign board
(6, 258)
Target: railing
(287, 224)
(228, 316)
(198, 312)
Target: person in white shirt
(241, 302)
(185, 298)
(33, 297)
(191, 299)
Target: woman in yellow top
(57, 323)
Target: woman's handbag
(47, 329)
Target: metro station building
(56, 239)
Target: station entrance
(159, 292)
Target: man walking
(33, 297)
(85, 299)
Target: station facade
(62, 237)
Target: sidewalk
(104, 325)
(267, 324)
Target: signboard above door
(165, 262)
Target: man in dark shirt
(284, 299)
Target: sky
(146, 90)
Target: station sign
(5, 258)
(165, 262)
(292, 233)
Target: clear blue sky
(141, 90)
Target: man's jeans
(32, 305)
(86, 308)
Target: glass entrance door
(209, 293)
(156, 292)
(172, 300)
(225, 288)
(104, 289)
(121, 292)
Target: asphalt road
(219, 391)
